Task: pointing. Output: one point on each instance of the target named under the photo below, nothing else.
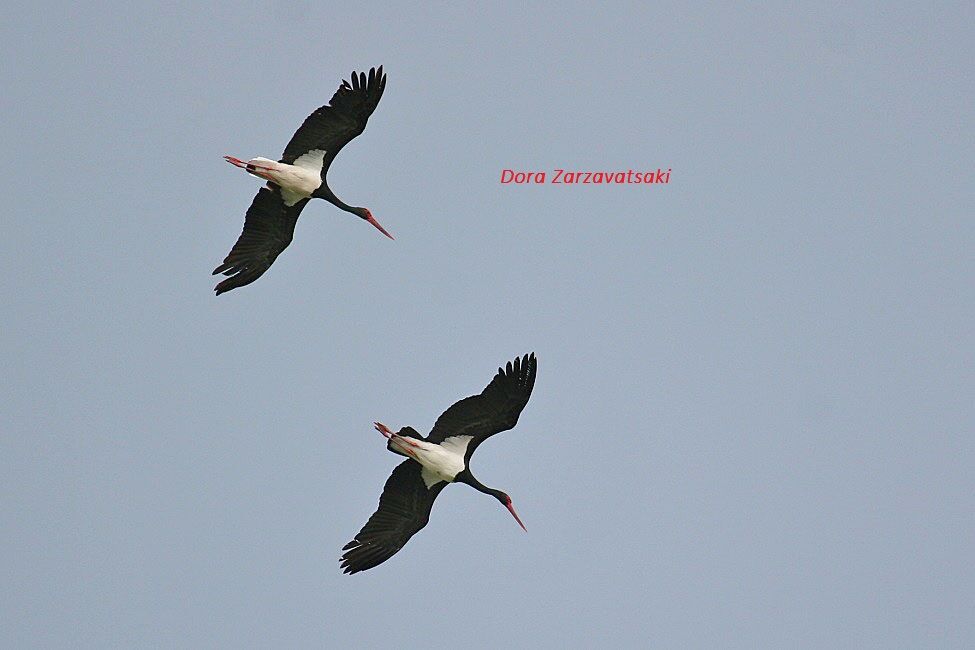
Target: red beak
(376, 224)
(511, 509)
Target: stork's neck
(325, 192)
(468, 478)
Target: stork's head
(363, 213)
(506, 502)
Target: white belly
(296, 181)
(439, 463)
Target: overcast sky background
(752, 424)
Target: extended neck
(466, 477)
(325, 192)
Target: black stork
(298, 177)
(442, 457)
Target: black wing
(334, 125)
(268, 229)
(404, 508)
(495, 410)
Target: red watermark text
(573, 177)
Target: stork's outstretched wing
(334, 125)
(495, 410)
(269, 227)
(404, 509)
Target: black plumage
(406, 501)
(269, 226)
(404, 509)
(334, 125)
(495, 410)
(270, 223)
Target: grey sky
(752, 425)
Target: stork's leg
(260, 171)
(383, 429)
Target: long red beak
(376, 224)
(514, 514)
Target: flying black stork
(442, 457)
(298, 177)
